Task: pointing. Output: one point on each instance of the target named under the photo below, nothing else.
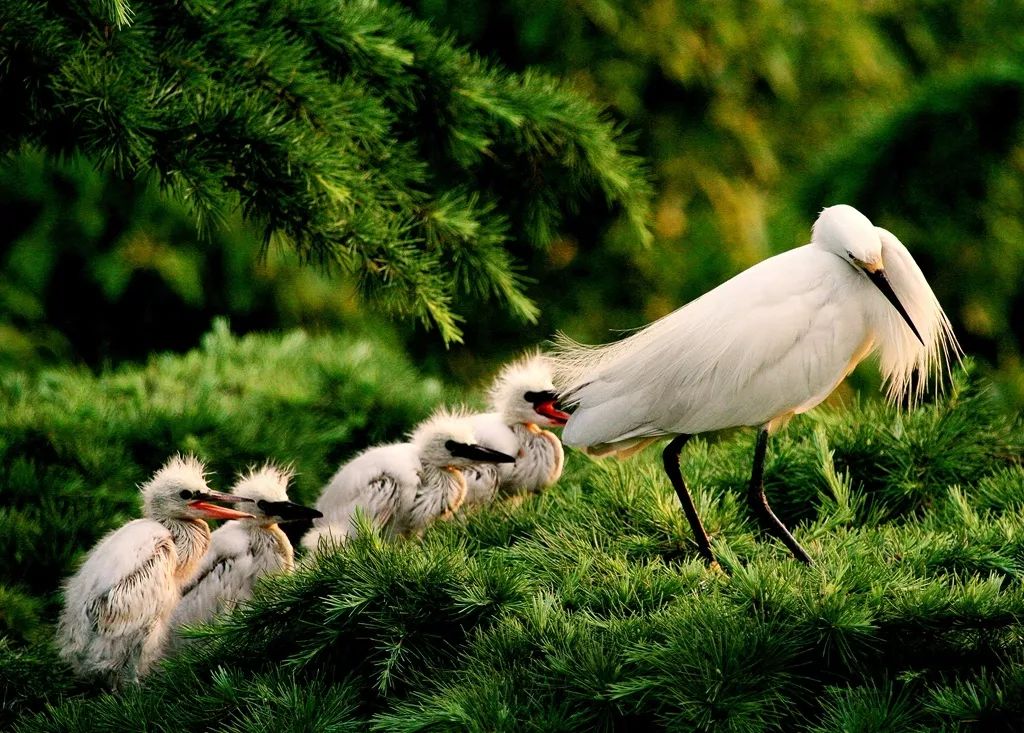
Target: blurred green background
(753, 115)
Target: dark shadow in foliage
(31, 678)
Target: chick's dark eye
(261, 504)
(186, 494)
(449, 444)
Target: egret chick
(523, 401)
(117, 606)
(770, 343)
(523, 395)
(483, 480)
(244, 551)
(403, 487)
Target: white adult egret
(768, 344)
(523, 399)
(244, 551)
(403, 487)
(116, 607)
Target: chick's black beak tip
(289, 511)
(300, 512)
(479, 453)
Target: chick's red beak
(552, 413)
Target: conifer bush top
(345, 127)
(587, 607)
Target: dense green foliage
(585, 608)
(349, 130)
(73, 447)
(94, 268)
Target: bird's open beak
(288, 511)
(881, 282)
(552, 413)
(545, 404)
(478, 453)
(204, 503)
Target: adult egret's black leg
(670, 457)
(759, 503)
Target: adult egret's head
(179, 491)
(267, 489)
(524, 393)
(447, 439)
(847, 233)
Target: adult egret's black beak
(477, 453)
(288, 511)
(204, 502)
(881, 282)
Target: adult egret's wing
(759, 346)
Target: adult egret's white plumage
(403, 487)
(242, 552)
(523, 402)
(117, 606)
(768, 344)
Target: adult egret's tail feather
(574, 365)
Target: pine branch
(349, 130)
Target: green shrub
(587, 607)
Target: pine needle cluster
(350, 130)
